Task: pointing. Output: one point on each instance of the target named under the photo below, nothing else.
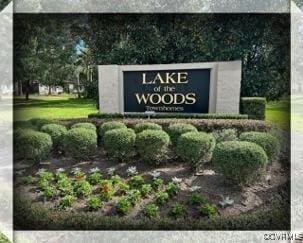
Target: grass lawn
(67, 106)
(278, 112)
(52, 107)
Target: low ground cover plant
(240, 162)
(177, 210)
(94, 203)
(208, 209)
(151, 210)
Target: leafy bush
(57, 133)
(152, 145)
(107, 190)
(239, 161)
(157, 184)
(136, 182)
(49, 192)
(116, 179)
(122, 187)
(120, 143)
(177, 129)
(94, 178)
(86, 125)
(195, 147)
(168, 115)
(197, 199)
(177, 210)
(123, 206)
(225, 135)
(161, 198)
(269, 143)
(134, 196)
(208, 209)
(172, 189)
(33, 145)
(107, 126)
(146, 189)
(151, 210)
(254, 107)
(80, 143)
(67, 201)
(140, 127)
(83, 188)
(40, 122)
(94, 203)
(64, 184)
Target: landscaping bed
(140, 175)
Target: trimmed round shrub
(107, 126)
(40, 122)
(57, 133)
(120, 143)
(147, 126)
(152, 145)
(86, 125)
(225, 135)
(177, 129)
(30, 144)
(269, 143)
(239, 161)
(195, 148)
(80, 143)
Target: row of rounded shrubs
(240, 159)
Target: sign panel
(185, 90)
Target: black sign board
(184, 91)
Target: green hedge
(33, 145)
(168, 115)
(110, 125)
(240, 162)
(152, 145)
(57, 133)
(145, 126)
(175, 130)
(120, 143)
(195, 148)
(268, 142)
(80, 143)
(86, 125)
(254, 107)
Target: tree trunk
(20, 91)
(49, 90)
(78, 86)
(27, 90)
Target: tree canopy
(261, 41)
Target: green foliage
(107, 126)
(146, 189)
(225, 135)
(177, 129)
(94, 203)
(83, 188)
(67, 201)
(64, 184)
(151, 210)
(268, 142)
(80, 143)
(94, 178)
(254, 107)
(49, 192)
(157, 184)
(57, 133)
(120, 143)
(241, 162)
(197, 199)
(152, 145)
(134, 196)
(172, 189)
(32, 145)
(116, 179)
(177, 210)
(136, 181)
(106, 190)
(122, 187)
(123, 206)
(208, 209)
(167, 115)
(46, 175)
(86, 125)
(140, 127)
(195, 148)
(161, 198)
(40, 122)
